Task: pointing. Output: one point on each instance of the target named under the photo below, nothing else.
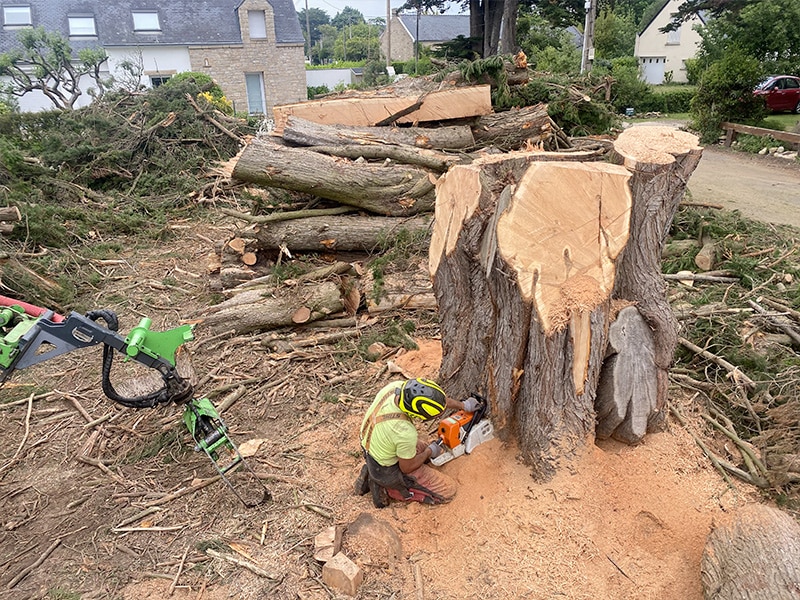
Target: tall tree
(314, 18)
(45, 62)
(348, 16)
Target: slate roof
(436, 28)
(183, 22)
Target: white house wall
(328, 77)
(656, 48)
(165, 61)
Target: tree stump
(756, 556)
(523, 257)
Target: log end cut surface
(565, 226)
(650, 146)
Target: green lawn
(782, 122)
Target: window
(157, 80)
(674, 37)
(146, 21)
(17, 16)
(255, 93)
(258, 24)
(790, 84)
(81, 27)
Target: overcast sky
(369, 8)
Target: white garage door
(652, 68)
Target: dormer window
(17, 16)
(82, 27)
(146, 21)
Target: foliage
(357, 43)
(627, 90)
(669, 99)
(45, 62)
(725, 93)
(767, 31)
(348, 16)
(548, 48)
(375, 74)
(614, 34)
(317, 90)
(316, 17)
(459, 48)
(754, 143)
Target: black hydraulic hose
(148, 400)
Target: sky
(369, 8)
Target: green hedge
(669, 100)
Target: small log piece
(754, 556)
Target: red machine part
(30, 309)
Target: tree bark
(513, 129)
(307, 133)
(342, 233)
(756, 556)
(661, 160)
(523, 280)
(390, 190)
(273, 310)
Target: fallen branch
(254, 568)
(734, 371)
(10, 463)
(289, 215)
(182, 492)
(774, 320)
(27, 570)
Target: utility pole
(588, 36)
(308, 32)
(388, 33)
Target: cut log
(387, 190)
(522, 259)
(755, 556)
(626, 394)
(273, 311)
(340, 233)
(517, 128)
(369, 110)
(307, 133)
(11, 213)
(661, 159)
(706, 257)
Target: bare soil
(621, 522)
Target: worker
(395, 456)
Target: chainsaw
(30, 335)
(462, 431)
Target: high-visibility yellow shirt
(391, 439)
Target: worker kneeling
(395, 456)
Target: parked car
(781, 92)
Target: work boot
(362, 482)
(380, 498)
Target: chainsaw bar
(210, 434)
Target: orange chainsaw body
(450, 428)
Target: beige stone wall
(402, 44)
(282, 67)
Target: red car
(781, 92)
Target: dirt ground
(90, 504)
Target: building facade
(252, 48)
(662, 56)
(432, 30)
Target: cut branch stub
(522, 259)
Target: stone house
(252, 48)
(433, 30)
(662, 56)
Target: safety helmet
(422, 398)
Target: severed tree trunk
(513, 129)
(661, 159)
(392, 190)
(307, 133)
(756, 556)
(524, 259)
(339, 233)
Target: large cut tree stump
(755, 556)
(523, 258)
(661, 159)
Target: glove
(436, 449)
(471, 404)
